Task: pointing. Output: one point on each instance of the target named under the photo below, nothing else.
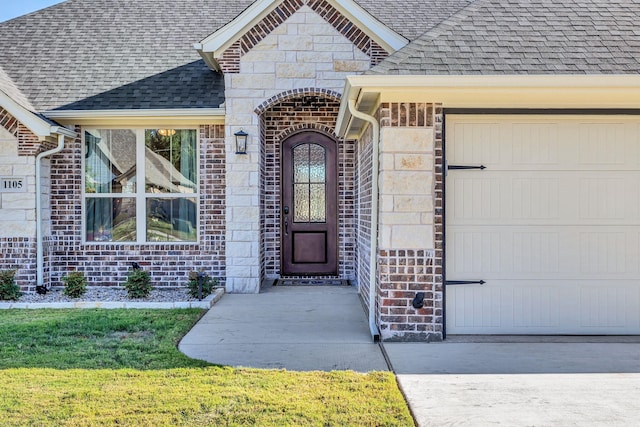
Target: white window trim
(140, 195)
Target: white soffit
(41, 128)
(491, 91)
(168, 117)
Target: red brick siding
(363, 199)
(287, 114)
(28, 143)
(19, 253)
(229, 61)
(107, 264)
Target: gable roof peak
(213, 46)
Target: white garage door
(552, 225)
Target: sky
(10, 9)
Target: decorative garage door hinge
(464, 282)
(465, 167)
(448, 167)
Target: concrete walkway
(473, 381)
(300, 328)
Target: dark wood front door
(309, 226)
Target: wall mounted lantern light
(241, 142)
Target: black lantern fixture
(241, 142)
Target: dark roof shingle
(527, 37)
(138, 54)
(109, 53)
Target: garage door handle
(464, 282)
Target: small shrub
(75, 284)
(8, 288)
(208, 283)
(138, 283)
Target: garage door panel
(558, 198)
(538, 145)
(594, 147)
(607, 307)
(478, 143)
(612, 252)
(535, 145)
(477, 307)
(540, 307)
(521, 252)
(552, 225)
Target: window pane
(110, 161)
(301, 203)
(318, 203)
(111, 220)
(172, 220)
(301, 163)
(171, 161)
(317, 164)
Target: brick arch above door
(281, 116)
(297, 93)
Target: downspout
(375, 332)
(39, 233)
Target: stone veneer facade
(285, 75)
(300, 53)
(18, 148)
(410, 245)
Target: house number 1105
(12, 185)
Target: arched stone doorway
(280, 118)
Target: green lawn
(122, 367)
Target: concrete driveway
(551, 381)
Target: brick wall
(363, 216)
(107, 264)
(315, 110)
(411, 222)
(19, 253)
(18, 147)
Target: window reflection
(171, 219)
(168, 209)
(110, 161)
(111, 219)
(170, 161)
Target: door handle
(286, 226)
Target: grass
(122, 367)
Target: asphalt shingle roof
(111, 54)
(138, 54)
(125, 54)
(527, 37)
(8, 87)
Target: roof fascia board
(41, 128)
(215, 44)
(164, 117)
(488, 81)
(385, 36)
(497, 91)
(224, 37)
